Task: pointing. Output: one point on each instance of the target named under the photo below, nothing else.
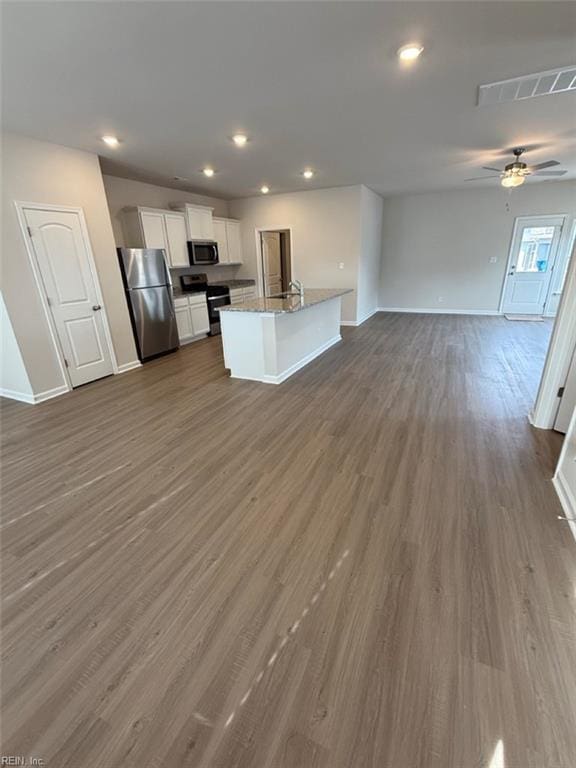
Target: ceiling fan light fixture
(511, 179)
(410, 51)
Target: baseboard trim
(22, 397)
(567, 500)
(129, 366)
(32, 399)
(293, 368)
(444, 311)
(356, 323)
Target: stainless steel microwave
(202, 252)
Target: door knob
(96, 307)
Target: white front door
(271, 263)
(61, 253)
(532, 256)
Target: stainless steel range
(216, 296)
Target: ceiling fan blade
(481, 178)
(540, 166)
(549, 173)
(488, 168)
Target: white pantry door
(62, 257)
(532, 258)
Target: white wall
(370, 253)
(38, 172)
(14, 381)
(326, 229)
(123, 193)
(439, 244)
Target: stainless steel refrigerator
(149, 295)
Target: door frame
(519, 221)
(21, 207)
(560, 352)
(257, 232)
(565, 252)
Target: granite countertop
(281, 306)
(178, 293)
(239, 283)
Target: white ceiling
(311, 83)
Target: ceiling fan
(514, 174)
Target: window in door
(534, 249)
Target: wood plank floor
(360, 568)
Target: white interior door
(62, 257)
(271, 263)
(531, 263)
(568, 400)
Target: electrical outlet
(493, 259)
(440, 299)
(340, 265)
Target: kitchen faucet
(298, 286)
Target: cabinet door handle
(96, 307)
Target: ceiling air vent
(528, 86)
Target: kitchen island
(269, 339)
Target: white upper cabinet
(155, 228)
(227, 235)
(177, 239)
(221, 237)
(153, 231)
(234, 241)
(170, 230)
(198, 220)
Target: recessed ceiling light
(308, 173)
(111, 141)
(240, 139)
(208, 171)
(264, 189)
(410, 52)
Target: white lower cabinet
(191, 316)
(200, 321)
(184, 323)
(238, 295)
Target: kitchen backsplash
(214, 273)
